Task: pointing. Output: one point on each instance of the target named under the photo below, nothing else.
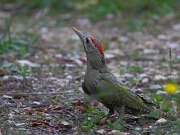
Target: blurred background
(35, 19)
(95, 9)
(42, 61)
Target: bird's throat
(96, 64)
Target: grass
(17, 46)
(14, 42)
(152, 9)
(90, 121)
(8, 65)
(99, 9)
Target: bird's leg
(103, 119)
(121, 113)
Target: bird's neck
(97, 66)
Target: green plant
(166, 106)
(8, 43)
(17, 46)
(156, 99)
(99, 9)
(16, 117)
(69, 105)
(137, 69)
(89, 122)
(8, 65)
(61, 99)
(125, 69)
(24, 71)
(134, 81)
(20, 132)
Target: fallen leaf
(29, 110)
(77, 103)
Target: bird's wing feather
(118, 94)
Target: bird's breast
(91, 80)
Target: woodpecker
(102, 85)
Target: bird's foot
(102, 121)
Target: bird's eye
(87, 40)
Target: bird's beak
(80, 34)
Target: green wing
(113, 92)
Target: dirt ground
(48, 98)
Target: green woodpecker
(102, 85)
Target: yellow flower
(171, 87)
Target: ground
(40, 89)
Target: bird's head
(94, 50)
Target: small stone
(110, 16)
(143, 75)
(159, 92)
(110, 56)
(65, 16)
(117, 132)
(163, 94)
(145, 80)
(27, 63)
(70, 65)
(162, 37)
(149, 51)
(155, 86)
(69, 77)
(123, 63)
(44, 30)
(36, 103)
(100, 131)
(159, 77)
(58, 55)
(128, 75)
(20, 124)
(116, 52)
(138, 129)
(5, 78)
(60, 82)
(161, 121)
(173, 45)
(64, 123)
(176, 27)
(18, 77)
(123, 39)
(6, 96)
